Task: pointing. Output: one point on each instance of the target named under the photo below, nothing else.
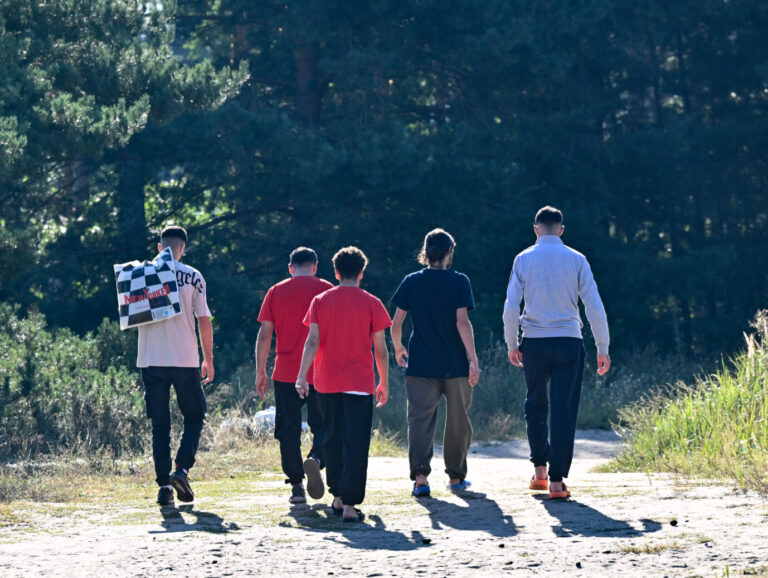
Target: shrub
(60, 391)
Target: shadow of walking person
(173, 521)
(371, 534)
(578, 519)
(480, 514)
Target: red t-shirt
(347, 318)
(285, 305)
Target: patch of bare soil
(614, 524)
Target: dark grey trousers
(423, 399)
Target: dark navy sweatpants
(559, 363)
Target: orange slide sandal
(541, 485)
(565, 493)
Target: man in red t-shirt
(283, 311)
(343, 323)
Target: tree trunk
(309, 85)
(130, 199)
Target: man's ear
(159, 247)
(360, 276)
(291, 269)
(336, 274)
(314, 268)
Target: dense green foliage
(60, 393)
(58, 390)
(372, 123)
(262, 127)
(715, 428)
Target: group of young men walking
(328, 338)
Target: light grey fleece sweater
(551, 277)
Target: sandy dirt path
(615, 524)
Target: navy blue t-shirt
(432, 296)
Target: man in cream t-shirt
(168, 356)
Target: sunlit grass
(230, 460)
(716, 428)
(653, 548)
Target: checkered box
(147, 292)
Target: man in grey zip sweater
(551, 278)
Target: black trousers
(288, 429)
(559, 362)
(191, 400)
(347, 421)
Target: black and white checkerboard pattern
(147, 292)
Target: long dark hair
(437, 244)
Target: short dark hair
(437, 244)
(174, 231)
(349, 262)
(549, 216)
(302, 256)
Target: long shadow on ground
(205, 521)
(578, 519)
(359, 535)
(480, 514)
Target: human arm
(598, 320)
(464, 325)
(205, 329)
(382, 364)
(310, 350)
(401, 355)
(511, 315)
(263, 344)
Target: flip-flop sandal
(358, 518)
(336, 511)
(421, 491)
(565, 493)
(540, 485)
(315, 486)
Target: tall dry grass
(716, 427)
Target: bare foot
(421, 480)
(541, 472)
(350, 513)
(337, 505)
(454, 481)
(556, 486)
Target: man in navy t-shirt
(441, 360)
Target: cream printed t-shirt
(173, 343)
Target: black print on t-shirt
(184, 278)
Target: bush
(59, 391)
(639, 375)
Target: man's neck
(349, 283)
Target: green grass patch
(655, 548)
(716, 428)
